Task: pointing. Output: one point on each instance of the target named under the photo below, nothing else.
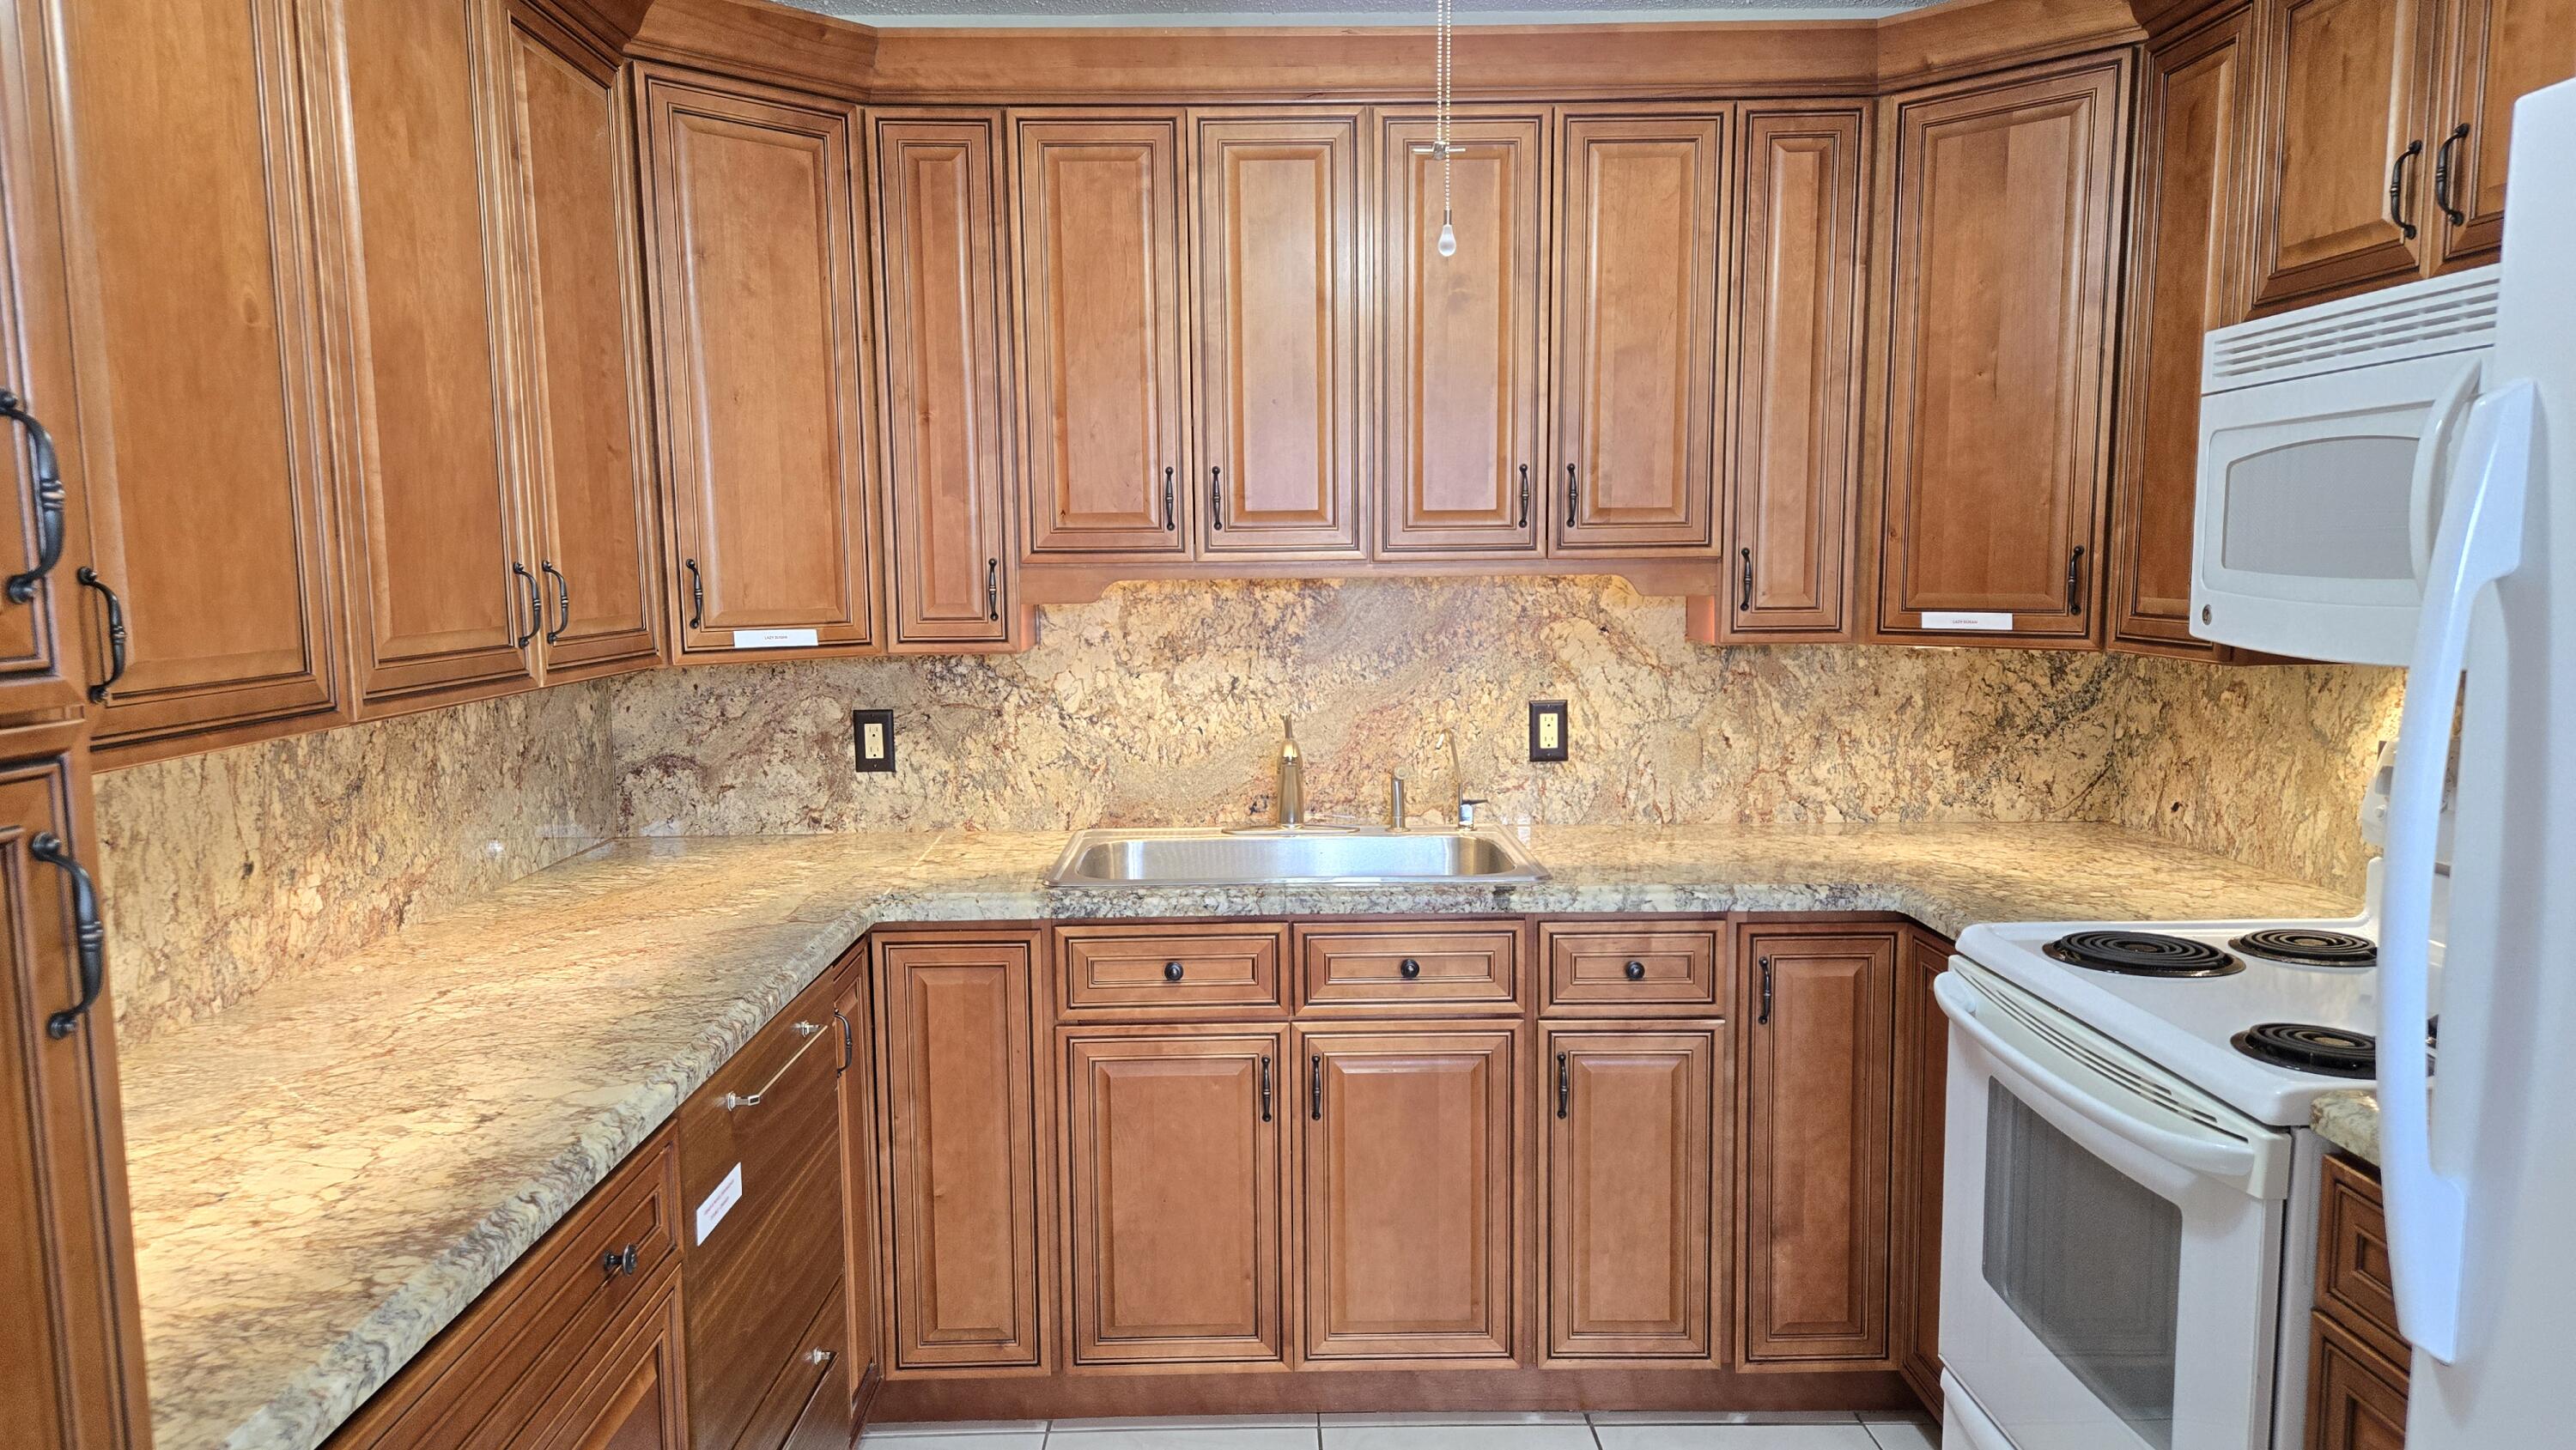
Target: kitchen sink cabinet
(1922, 1104)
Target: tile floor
(1646, 1430)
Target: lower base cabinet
(2356, 1400)
(2358, 1361)
(1922, 1105)
(633, 1398)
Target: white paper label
(713, 1208)
(1968, 621)
(775, 639)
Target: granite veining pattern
(2349, 1119)
(330, 1172)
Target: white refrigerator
(2479, 1151)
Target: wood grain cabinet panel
(1922, 1103)
(1172, 970)
(1795, 393)
(1276, 312)
(1638, 333)
(444, 591)
(965, 1181)
(1158, 1272)
(1097, 212)
(634, 1397)
(2342, 160)
(756, 296)
(2186, 277)
(2356, 1281)
(953, 571)
(197, 448)
(1461, 465)
(2499, 51)
(862, 1181)
(1633, 1171)
(1816, 1218)
(1397, 968)
(2003, 226)
(1672, 966)
(2356, 1400)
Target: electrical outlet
(872, 736)
(1547, 730)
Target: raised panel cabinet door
(756, 294)
(2342, 160)
(2185, 278)
(1635, 1165)
(1461, 465)
(1172, 1149)
(444, 592)
(71, 1348)
(631, 1394)
(1277, 315)
(953, 569)
(2500, 51)
(2004, 225)
(1098, 271)
(862, 1159)
(196, 446)
(587, 403)
(1406, 1194)
(1797, 304)
(1638, 334)
(2356, 1400)
(962, 1147)
(1817, 1103)
(1922, 1096)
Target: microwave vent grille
(2446, 314)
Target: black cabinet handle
(1171, 971)
(1315, 1088)
(992, 589)
(536, 604)
(1410, 968)
(1636, 971)
(1525, 497)
(1265, 1087)
(1570, 492)
(89, 935)
(563, 599)
(2075, 581)
(1744, 595)
(2442, 176)
(2397, 188)
(50, 500)
(1216, 498)
(697, 594)
(115, 632)
(1764, 1019)
(619, 1261)
(1564, 1086)
(1171, 519)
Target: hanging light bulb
(1447, 23)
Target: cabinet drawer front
(2353, 1274)
(1410, 966)
(771, 1114)
(1152, 970)
(2356, 1400)
(810, 1394)
(1613, 966)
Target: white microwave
(2325, 441)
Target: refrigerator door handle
(2480, 542)
(2430, 452)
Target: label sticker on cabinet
(713, 1208)
(1968, 621)
(776, 638)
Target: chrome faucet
(1465, 803)
(1292, 777)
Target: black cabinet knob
(1636, 971)
(1411, 969)
(1171, 971)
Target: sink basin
(1307, 856)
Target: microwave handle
(2446, 414)
(2480, 543)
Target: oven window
(2327, 508)
(2091, 1261)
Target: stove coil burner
(2303, 1048)
(2308, 947)
(2142, 954)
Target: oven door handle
(2233, 1159)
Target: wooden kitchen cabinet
(2003, 212)
(1922, 1107)
(633, 1397)
(1816, 1216)
(1638, 332)
(1174, 1173)
(862, 1184)
(1461, 464)
(2341, 155)
(2497, 52)
(1276, 312)
(2358, 1361)
(756, 290)
(967, 1183)
(1407, 1199)
(1634, 1171)
(1098, 272)
(953, 571)
(1797, 315)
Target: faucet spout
(1292, 776)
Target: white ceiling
(1335, 12)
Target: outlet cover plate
(872, 740)
(1549, 733)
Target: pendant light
(1441, 146)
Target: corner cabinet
(756, 273)
(2003, 211)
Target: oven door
(2111, 1246)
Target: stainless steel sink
(1305, 856)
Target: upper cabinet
(1097, 218)
(2003, 228)
(1277, 323)
(1638, 333)
(2498, 51)
(2341, 155)
(952, 566)
(756, 279)
(1462, 430)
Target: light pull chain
(1448, 23)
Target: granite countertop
(2349, 1119)
(325, 1175)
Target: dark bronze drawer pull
(697, 594)
(1744, 599)
(536, 605)
(2075, 581)
(89, 934)
(1564, 1086)
(1410, 968)
(1265, 1087)
(619, 1261)
(1171, 971)
(992, 589)
(1216, 498)
(1570, 491)
(115, 632)
(1171, 518)
(563, 599)
(1525, 497)
(2442, 176)
(2397, 188)
(1764, 1020)
(1636, 971)
(50, 500)
(1315, 1088)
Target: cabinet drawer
(2356, 1400)
(1182, 970)
(2353, 1273)
(1608, 968)
(1430, 966)
(809, 1401)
